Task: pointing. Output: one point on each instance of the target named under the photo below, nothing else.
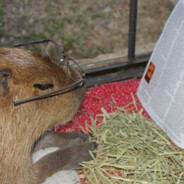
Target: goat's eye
(43, 86)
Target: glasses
(51, 49)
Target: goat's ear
(5, 74)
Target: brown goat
(23, 128)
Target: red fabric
(107, 96)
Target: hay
(132, 149)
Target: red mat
(108, 96)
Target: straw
(132, 149)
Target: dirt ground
(85, 28)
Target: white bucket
(161, 90)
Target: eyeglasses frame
(78, 83)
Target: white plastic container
(161, 90)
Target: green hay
(132, 149)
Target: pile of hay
(132, 149)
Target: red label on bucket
(149, 72)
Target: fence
(120, 69)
